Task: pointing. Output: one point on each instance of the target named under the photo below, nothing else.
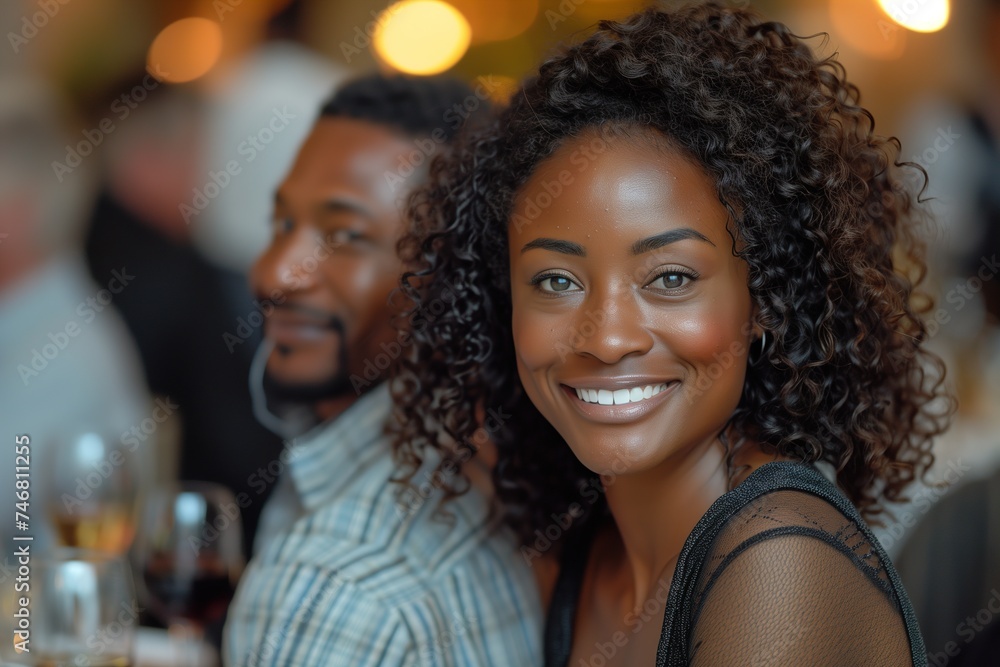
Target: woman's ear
(752, 328)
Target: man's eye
(282, 225)
(343, 236)
(555, 284)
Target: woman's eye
(556, 284)
(671, 280)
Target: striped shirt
(362, 578)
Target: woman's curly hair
(826, 222)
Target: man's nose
(284, 265)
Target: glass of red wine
(189, 550)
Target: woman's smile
(618, 400)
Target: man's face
(332, 264)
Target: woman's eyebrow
(666, 238)
(556, 245)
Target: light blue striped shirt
(362, 578)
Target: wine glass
(83, 610)
(90, 497)
(190, 552)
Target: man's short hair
(417, 106)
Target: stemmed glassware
(189, 551)
(91, 492)
(83, 610)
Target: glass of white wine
(91, 492)
(84, 610)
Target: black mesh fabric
(781, 570)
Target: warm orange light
(497, 20)
(421, 36)
(860, 25)
(503, 87)
(185, 50)
(918, 15)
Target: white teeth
(619, 396)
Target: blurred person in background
(950, 566)
(950, 562)
(347, 572)
(68, 365)
(188, 315)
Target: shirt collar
(328, 456)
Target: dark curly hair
(826, 221)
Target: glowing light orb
(421, 36)
(918, 15)
(185, 50)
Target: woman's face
(631, 316)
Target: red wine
(201, 597)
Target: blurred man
(344, 574)
(67, 364)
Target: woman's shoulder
(792, 513)
(784, 563)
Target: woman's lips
(620, 405)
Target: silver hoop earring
(760, 353)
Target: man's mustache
(322, 318)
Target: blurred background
(140, 145)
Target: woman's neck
(657, 509)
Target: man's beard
(311, 392)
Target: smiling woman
(686, 266)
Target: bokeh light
(185, 50)
(918, 15)
(421, 36)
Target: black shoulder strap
(778, 475)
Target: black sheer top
(782, 570)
